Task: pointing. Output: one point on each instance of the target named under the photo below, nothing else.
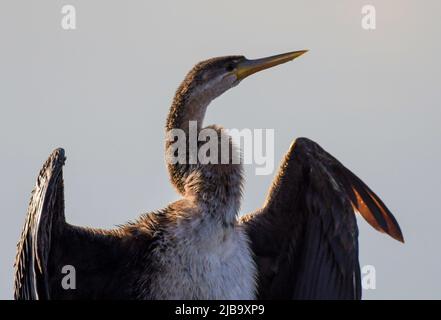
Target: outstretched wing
(305, 238)
(48, 244)
(45, 212)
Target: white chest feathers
(201, 259)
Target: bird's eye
(230, 67)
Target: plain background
(102, 91)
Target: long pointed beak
(248, 67)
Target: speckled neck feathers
(215, 186)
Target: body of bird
(198, 257)
(303, 242)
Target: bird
(301, 244)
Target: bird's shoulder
(150, 223)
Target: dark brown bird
(302, 244)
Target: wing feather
(106, 261)
(305, 238)
(45, 209)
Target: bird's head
(211, 78)
(206, 81)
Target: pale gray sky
(102, 91)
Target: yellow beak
(248, 67)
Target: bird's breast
(201, 259)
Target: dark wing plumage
(305, 238)
(45, 212)
(104, 261)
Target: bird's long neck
(187, 107)
(216, 187)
